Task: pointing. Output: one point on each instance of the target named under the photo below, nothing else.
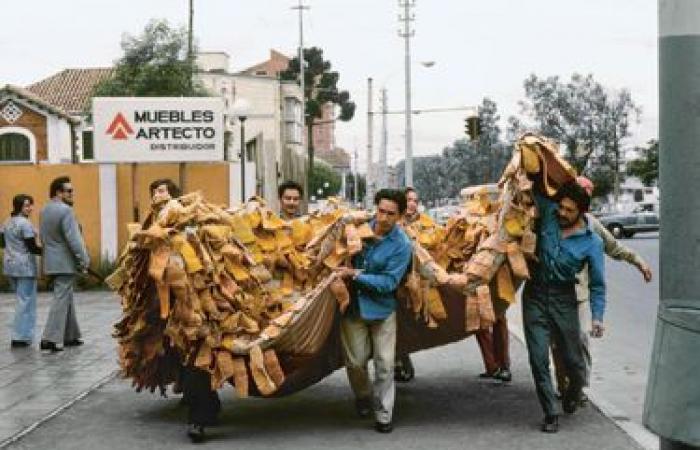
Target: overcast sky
(480, 48)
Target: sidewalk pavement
(445, 407)
(36, 384)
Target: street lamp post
(242, 119)
(241, 109)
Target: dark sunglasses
(70, 191)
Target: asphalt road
(621, 358)
(444, 408)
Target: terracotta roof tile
(71, 89)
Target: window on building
(250, 150)
(88, 149)
(14, 147)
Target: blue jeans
(25, 309)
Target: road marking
(643, 437)
(25, 431)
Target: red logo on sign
(120, 128)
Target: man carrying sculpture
(565, 243)
(368, 328)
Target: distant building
(71, 90)
(33, 130)
(273, 128)
(324, 127)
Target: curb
(25, 431)
(643, 437)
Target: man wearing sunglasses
(65, 256)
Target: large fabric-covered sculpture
(253, 299)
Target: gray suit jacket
(64, 248)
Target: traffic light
(473, 127)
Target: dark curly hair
(395, 195)
(572, 190)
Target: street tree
(154, 64)
(320, 88)
(465, 162)
(589, 120)
(324, 181)
(646, 167)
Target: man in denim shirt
(369, 327)
(565, 243)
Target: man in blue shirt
(565, 242)
(369, 327)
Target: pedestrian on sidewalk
(614, 250)
(19, 239)
(368, 328)
(65, 256)
(565, 242)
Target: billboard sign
(158, 129)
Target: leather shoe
(404, 370)
(488, 375)
(384, 427)
(48, 345)
(195, 433)
(19, 344)
(73, 343)
(363, 406)
(570, 400)
(504, 375)
(550, 424)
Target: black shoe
(19, 344)
(488, 375)
(550, 424)
(73, 343)
(570, 400)
(583, 401)
(48, 345)
(504, 375)
(403, 370)
(384, 427)
(195, 433)
(363, 406)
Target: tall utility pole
(407, 33)
(356, 183)
(190, 33)
(182, 170)
(302, 71)
(382, 177)
(672, 404)
(369, 180)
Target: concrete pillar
(672, 406)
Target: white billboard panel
(158, 129)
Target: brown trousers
(494, 345)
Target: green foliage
(588, 120)
(320, 85)
(324, 174)
(646, 168)
(154, 64)
(464, 163)
(603, 179)
(103, 270)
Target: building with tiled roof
(71, 89)
(338, 158)
(277, 63)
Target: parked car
(643, 218)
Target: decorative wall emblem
(11, 112)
